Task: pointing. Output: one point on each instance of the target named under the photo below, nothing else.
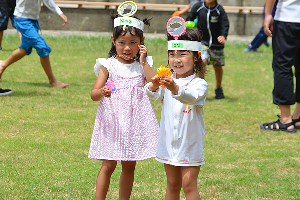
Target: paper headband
(130, 21)
(184, 45)
(126, 18)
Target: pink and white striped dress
(125, 127)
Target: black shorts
(5, 14)
(286, 53)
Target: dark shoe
(295, 121)
(281, 127)
(219, 93)
(5, 92)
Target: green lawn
(45, 132)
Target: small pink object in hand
(111, 86)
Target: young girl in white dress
(181, 134)
(126, 128)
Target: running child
(213, 23)
(181, 133)
(125, 128)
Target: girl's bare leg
(45, 61)
(174, 182)
(126, 179)
(103, 178)
(189, 182)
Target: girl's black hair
(117, 31)
(192, 35)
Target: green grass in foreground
(45, 132)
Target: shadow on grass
(39, 84)
(230, 99)
(29, 94)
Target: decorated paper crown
(126, 18)
(176, 27)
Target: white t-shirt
(288, 11)
(30, 9)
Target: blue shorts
(29, 29)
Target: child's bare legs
(15, 56)
(219, 75)
(189, 182)
(174, 182)
(20, 35)
(103, 178)
(45, 61)
(1, 36)
(185, 177)
(126, 179)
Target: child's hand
(143, 52)
(221, 39)
(64, 17)
(155, 83)
(169, 83)
(155, 80)
(105, 91)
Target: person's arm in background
(54, 8)
(193, 14)
(224, 26)
(268, 22)
(181, 12)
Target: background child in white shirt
(181, 134)
(26, 21)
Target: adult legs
(103, 178)
(126, 179)
(296, 113)
(286, 48)
(174, 182)
(189, 182)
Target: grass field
(45, 132)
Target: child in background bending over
(214, 25)
(181, 133)
(125, 128)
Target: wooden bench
(146, 5)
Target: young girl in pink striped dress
(126, 128)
